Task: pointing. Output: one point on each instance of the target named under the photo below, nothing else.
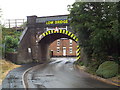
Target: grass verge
(5, 67)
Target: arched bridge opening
(45, 39)
(40, 33)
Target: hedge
(107, 69)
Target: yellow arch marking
(67, 33)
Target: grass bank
(107, 70)
(5, 67)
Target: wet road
(14, 77)
(60, 73)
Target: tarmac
(14, 80)
(14, 77)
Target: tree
(10, 38)
(96, 24)
(11, 44)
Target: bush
(81, 63)
(107, 69)
(11, 44)
(92, 67)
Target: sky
(19, 9)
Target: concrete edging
(23, 75)
(99, 78)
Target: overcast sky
(15, 9)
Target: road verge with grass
(5, 67)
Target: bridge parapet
(23, 33)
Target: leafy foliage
(10, 32)
(96, 24)
(107, 69)
(11, 44)
(10, 38)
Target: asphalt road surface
(60, 73)
(14, 77)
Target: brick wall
(64, 48)
(11, 57)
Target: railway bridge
(40, 33)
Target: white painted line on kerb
(23, 77)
